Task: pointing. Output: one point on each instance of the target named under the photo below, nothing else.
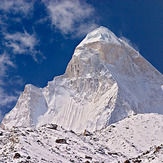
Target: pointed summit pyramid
(105, 81)
(100, 34)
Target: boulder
(61, 141)
(17, 155)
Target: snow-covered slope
(137, 138)
(105, 81)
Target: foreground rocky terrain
(136, 139)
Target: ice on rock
(105, 81)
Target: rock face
(105, 81)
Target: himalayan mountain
(106, 107)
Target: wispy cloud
(16, 6)
(6, 99)
(1, 116)
(23, 43)
(130, 43)
(5, 64)
(83, 29)
(13, 12)
(19, 42)
(71, 16)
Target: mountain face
(105, 81)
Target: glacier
(105, 81)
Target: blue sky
(37, 38)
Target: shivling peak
(105, 81)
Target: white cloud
(23, 43)
(16, 6)
(85, 28)
(5, 98)
(70, 16)
(5, 63)
(19, 43)
(130, 43)
(1, 116)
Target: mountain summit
(100, 34)
(105, 81)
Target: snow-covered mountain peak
(105, 81)
(101, 34)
